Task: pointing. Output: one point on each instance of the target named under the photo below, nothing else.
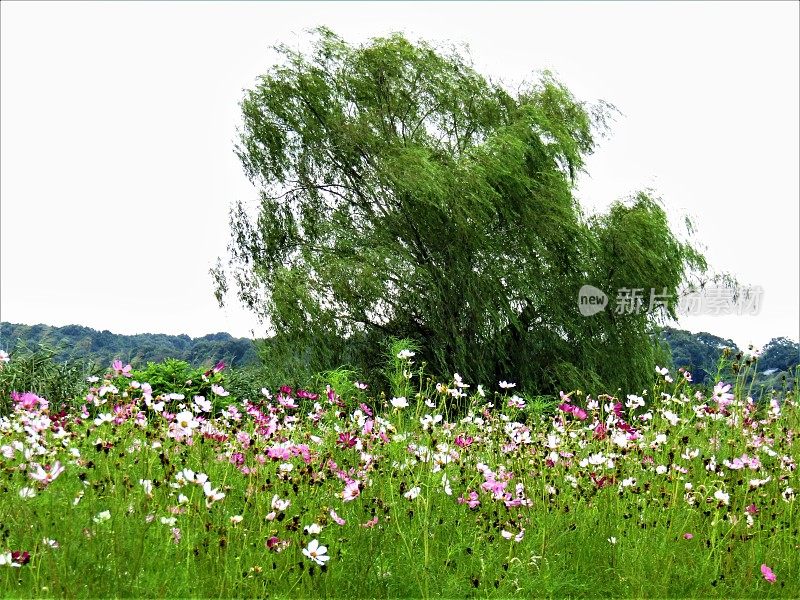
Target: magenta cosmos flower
(768, 574)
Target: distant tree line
(700, 353)
(74, 342)
(286, 358)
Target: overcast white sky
(119, 119)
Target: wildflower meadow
(437, 489)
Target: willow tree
(402, 194)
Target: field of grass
(334, 492)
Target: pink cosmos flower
(286, 401)
(472, 500)
(47, 476)
(516, 402)
(371, 523)
(687, 536)
(347, 440)
(124, 371)
(565, 407)
(600, 432)
(722, 394)
(464, 441)
(351, 491)
(29, 400)
(276, 544)
(768, 574)
(336, 518)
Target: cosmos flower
(722, 394)
(219, 390)
(120, 370)
(768, 574)
(722, 497)
(316, 552)
(351, 491)
(47, 476)
(102, 517)
(413, 493)
(400, 402)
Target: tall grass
(680, 492)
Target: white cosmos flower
(200, 404)
(313, 529)
(722, 496)
(405, 354)
(185, 420)
(148, 487)
(413, 492)
(103, 418)
(446, 484)
(596, 459)
(316, 552)
(27, 492)
(278, 504)
(620, 439)
(506, 386)
(219, 390)
(102, 516)
(212, 494)
(185, 476)
(400, 402)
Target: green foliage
(781, 354)
(77, 343)
(710, 358)
(179, 377)
(245, 383)
(700, 353)
(36, 369)
(404, 195)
